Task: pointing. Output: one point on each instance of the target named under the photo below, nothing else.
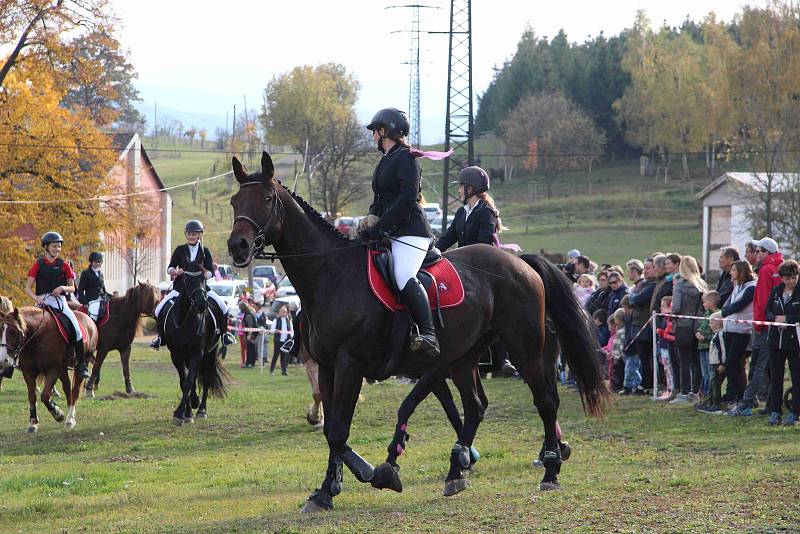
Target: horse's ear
(239, 170)
(15, 313)
(267, 167)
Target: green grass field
(646, 467)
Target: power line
(109, 198)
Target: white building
(725, 220)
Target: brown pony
(125, 313)
(31, 335)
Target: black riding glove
(373, 233)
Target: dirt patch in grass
(118, 395)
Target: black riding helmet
(51, 237)
(193, 226)
(95, 256)
(393, 121)
(474, 177)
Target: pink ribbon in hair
(430, 154)
(508, 246)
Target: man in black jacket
(727, 256)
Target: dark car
(266, 271)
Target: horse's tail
(575, 334)
(214, 376)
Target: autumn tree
(312, 109)
(765, 84)
(565, 137)
(46, 153)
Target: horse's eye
(268, 198)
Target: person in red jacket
(769, 258)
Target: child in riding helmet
(192, 256)
(92, 286)
(396, 185)
(50, 279)
(477, 220)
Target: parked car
(436, 226)
(230, 291)
(285, 287)
(345, 224)
(266, 271)
(432, 210)
(356, 222)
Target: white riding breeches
(59, 303)
(408, 253)
(172, 294)
(94, 308)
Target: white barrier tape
(737, 321)
(232, 328)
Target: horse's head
(257, 209)
(12, 337)
(195, 291)
(146, 297)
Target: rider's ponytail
(489, 201)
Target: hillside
(603, 224)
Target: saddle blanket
(445, 278)
(103, 313)
(65, 326)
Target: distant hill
(209, 121)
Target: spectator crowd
(712, 348)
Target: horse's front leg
(30, 382)
(125, 358)
(183, 412)
(339, 391)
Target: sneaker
(712, 409)
(700, 406)
(774, 418)
(740, 411)
(680, 399)
(667, 395)
(791, 419)
(624, 391)
(639, 392)
(764, 411)
(692, 397)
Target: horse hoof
(59, 417)
(177, 421)
(88, 392)
(70, 423)
(566, 450)
(310, 507)
(451, 487)
(202, 415)
(33, 429)
(386, 476)
(549, 486)
(313, 421)
(189, 420)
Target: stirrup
(228, 339)
(156, 343)
(414, 338)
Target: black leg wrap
(334, 474)
(552, 458)
(399, 440)
(462, 453)
(357, 465)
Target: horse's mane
(316, 216)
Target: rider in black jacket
(92, 286)
(396, 185)
(475, 221)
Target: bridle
(15, 352)
(193, 303)
(260, 239)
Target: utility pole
(458, 128)
(415, 135)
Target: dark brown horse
(125, 313)
(351, 333)
(31, 335)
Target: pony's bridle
(260, 239)
(15, 352)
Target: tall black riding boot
(416, 300)
(222, 323)
(156, 343)
(8, 372)
(80, 356)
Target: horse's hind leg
(94, 380)
(201, 409)
(539, 375)
(30, 382)
(47, 390)
(125, 358)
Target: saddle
(65, 327)
(437, 275)
(103, 313)
(166, 311)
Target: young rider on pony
(192, 256)
(396, 185)
(50, 279)
(92, 286)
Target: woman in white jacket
(737, 335)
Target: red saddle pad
(445, 277)
(105, 314)
(62, 329)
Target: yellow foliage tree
(46, 153)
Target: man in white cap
(572, 255)
(769, 259)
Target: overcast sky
(205, 55)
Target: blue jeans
(632, 375)
(706, 372)
(758, 365)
